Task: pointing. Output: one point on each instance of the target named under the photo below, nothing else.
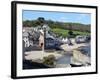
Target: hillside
(61, 25)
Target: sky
(83, 18)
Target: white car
(80, 39)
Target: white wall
(5, 40)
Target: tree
(40, 21)
(27, 23)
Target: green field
(64, 33)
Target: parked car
(82, 39)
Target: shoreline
(79, 59)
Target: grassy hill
(64, 33)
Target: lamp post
(42, 22)
(44, 38)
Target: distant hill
(60, 25)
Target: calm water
(64, 60)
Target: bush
(49, 60)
